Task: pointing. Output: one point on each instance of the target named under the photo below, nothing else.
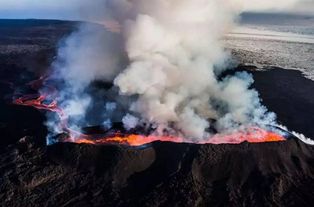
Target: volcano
(253, 134)
(134, 168)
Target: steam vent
(156, 103)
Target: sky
(305, 7)
(46, 9)
(70, 9)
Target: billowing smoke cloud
(167, 56)
(88, 10)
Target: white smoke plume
(300, 136)
(174, 55)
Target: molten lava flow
(252, 135)
(38, 103)
(131, 139)
(31, 100)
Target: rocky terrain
(159, 174)
(163, 174)
(31, 40)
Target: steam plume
(168, 56)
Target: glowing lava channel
(252, 135)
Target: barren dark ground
(162, 174)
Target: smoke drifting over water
(164, 58)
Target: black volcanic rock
(160, 174)
(289, 95)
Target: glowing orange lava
(252, 135)
(29, 100)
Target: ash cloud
(164, 57)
